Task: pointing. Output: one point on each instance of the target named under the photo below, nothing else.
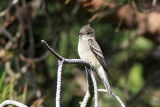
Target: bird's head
(86, 32)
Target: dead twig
(14, 2)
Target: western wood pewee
(89, 50)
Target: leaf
(67, 1)
(135, 81)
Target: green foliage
(67, 1)
(135, 79)
(3, 5)
(7, 89)
(141, 44)
(52, 64)
(121, 82)
(63, 44)
(2, 79)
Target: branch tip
(42, 41)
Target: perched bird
(89, 50)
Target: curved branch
(73, 61)
(114, 95)
(89, 94)
(11, 102)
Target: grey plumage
(90, 51)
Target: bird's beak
(81, 34)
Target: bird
(90, 51)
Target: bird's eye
(89, 33)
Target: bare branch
(67, 61)
(58, 91)
(95, 87)
(11, 102)
(72, 61)
(3, 13)
(52, 51)
(90, 92)
(86, 101)
(4, 30)
(114, 95)
(118, 99)
(154, 2)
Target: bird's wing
(98, 53)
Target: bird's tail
(103, 76)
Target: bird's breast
(86, 53)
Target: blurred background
(128, 32)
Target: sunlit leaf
(135, 80)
